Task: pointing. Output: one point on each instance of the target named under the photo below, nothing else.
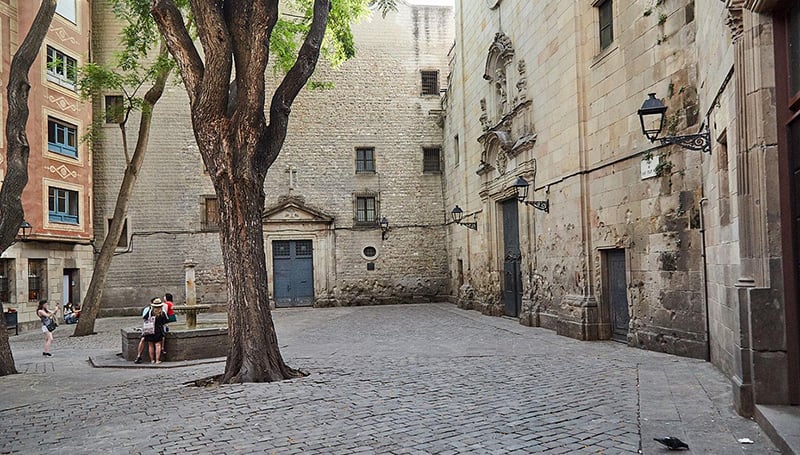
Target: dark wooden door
(512, 275)
(617, 294)
(292, 261)
(787, 65)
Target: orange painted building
(55, 262)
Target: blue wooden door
(293, 263)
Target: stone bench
(180, 344)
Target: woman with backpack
(153, 329)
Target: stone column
(760, 358)
(191, 292)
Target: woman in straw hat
(154, 340)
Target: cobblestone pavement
(411, 379)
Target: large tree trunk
(253, 354)
(11, 211)
(94, 295)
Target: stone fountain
(191, 343)
(191, 309)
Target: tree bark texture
(11, 211)
(94, 294)
(238, 147)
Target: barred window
(366, 212)
(281, 249)
(5, 272)
(114, 109)
(430, 82)
(210, 220)
(303, 248)
(365, 160)
(37, 279)
(431, 159)
(370, 252)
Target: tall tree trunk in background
(238, 147)
(11, 211)
(94, 294)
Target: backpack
(149, 326)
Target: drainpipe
(705, 277)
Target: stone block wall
(373, 100)
(588, 151)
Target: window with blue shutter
(62, 138)
(63, 206)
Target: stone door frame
(290, 220)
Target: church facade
(686, 244)
(363, 148)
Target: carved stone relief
(499, 57)
(504, 114)
(734, 20)
(522, 84)
(485, 124)
(496, 145)
(501, 162)
(500, 86)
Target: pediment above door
(294, 210)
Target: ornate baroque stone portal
(502, 115)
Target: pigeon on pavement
(673, 443)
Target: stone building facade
(660, 246)
(364, 146)
(55, 261)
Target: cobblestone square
(406, 379)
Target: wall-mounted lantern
(458, 215)
(522, 185)
(384, 225)
(25, 230)
(652, 116)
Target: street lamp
(651, 117)
(384, 225)
(458, 215)
(25, 230)
(521, 186)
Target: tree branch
(216, 41)
(251, 24)
(294, 81)
(170, 23)
(11, 210)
